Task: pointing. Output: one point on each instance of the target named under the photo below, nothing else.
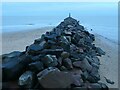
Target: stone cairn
(62, 58)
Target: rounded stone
(65, 55)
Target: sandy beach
(109, 62)
(18, 41)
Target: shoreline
(12, 41)
(109, 61)
(18, 41)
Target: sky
(60, 0)
(45, 8)
(101, 16)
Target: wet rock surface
(62, 58)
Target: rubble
(62, 58)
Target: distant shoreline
(26, 29)
(17, 41)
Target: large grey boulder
(15, 66)
(53, 78)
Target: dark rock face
(14, 67)
(68, 63)
(50, 61)
(84, 65)
(62, 58)
(10, 55)
(34, 49)
(53, 78)
(56, 52)
(65, 55)
(36, 66)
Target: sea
(102, 18)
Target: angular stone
(34, 49)
(37, 57)
(100, 51)
(94, 76)
(88, 40)
(47, 71)
(27, 80)
(53, 78)
(84, 75)
(95, 65)
(58, 31)
(64, 43)
(56, 52)
(50, 61)
(69, 26)
(104, 86)
(49, 36)
(36, 66)
(68, 38)
(76, 38)
(63, 68)
(92, 37)
(90, 60)
(77, 56)
(77, 81)
(84, 65)
(51, 42)
(39, 40)
(67, 33)
(96, 60)
(80, 27)
(59, 61)
(92, 53)
(65, 55)
(81, 42)
(67, 63)
(42, 44)
(64, 39)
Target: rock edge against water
(62, 58)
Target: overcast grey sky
(43, 9)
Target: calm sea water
(101, 17)
(106, 26)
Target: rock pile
(62, 58)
